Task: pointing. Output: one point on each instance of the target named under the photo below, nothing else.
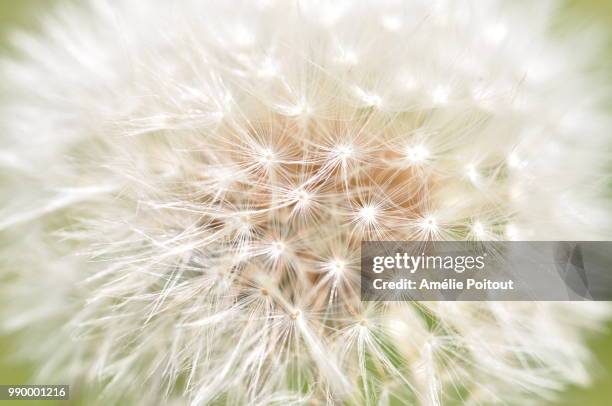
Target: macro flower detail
(187, 185)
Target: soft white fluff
(186, 184)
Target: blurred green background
(15, 14)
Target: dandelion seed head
(192, 218)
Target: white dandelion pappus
(191, 182)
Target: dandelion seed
(344, 152)
(370, 99)
(367, 214)
(391, 23)
(511, 232)
(472, 174)
(302, 197)
(269, 68)
(348, 57)
(478, 229)
(440, 95)
(242, 36)
(417, 154)
(429, 225)
(277, 248)
(335, 266)
(495, 33)
(266, 156)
